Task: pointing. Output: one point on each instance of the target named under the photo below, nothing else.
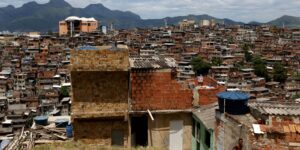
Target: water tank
(69, 131)
(235, 102)
(41, 120)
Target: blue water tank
(236, 103)
(41, 120)
(69, 131)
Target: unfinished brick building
(160, 106)
(100, 84)
(141, 106)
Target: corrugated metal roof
(207, 116)
(105, 47)
(87, 47)
(152, 62)
(271, 108)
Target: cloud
(240, 10)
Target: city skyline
(246, 11)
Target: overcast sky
(239, 10)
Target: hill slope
(43, 17)
(288, 21)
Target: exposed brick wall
(99, 60)
(156, 90)
(100, 85)
(96, 92)
(208, 96)
(46, 74)
(40, 58)
(99, 131)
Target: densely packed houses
(166, 79)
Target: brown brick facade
(156, 90)
(100, 85)
(99, 93)
(99, 60)
(99, 131)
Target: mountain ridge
(287, 21)
(32, 16)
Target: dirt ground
(81, 146)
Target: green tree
(216, 61)
(200, 66)
(230, 40)
(279, 73)
(257, 60)
(239, 65)
(246, 47)
(248, 56)
(296, 96)
(260, 68)
(64, 92)
(296, 76)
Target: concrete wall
(99, 131)
(84, 27)
(232, 131)
(63, 29)
(159, 130)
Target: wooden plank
(61, 136)
(48, 141)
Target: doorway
(176, 135)
(139, 130)
(117, 138)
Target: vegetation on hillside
(260, 68)
(279, 73)
(200, 66)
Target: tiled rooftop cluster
(153, 69)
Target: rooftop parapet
(100, 58)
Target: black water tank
(235, 102)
